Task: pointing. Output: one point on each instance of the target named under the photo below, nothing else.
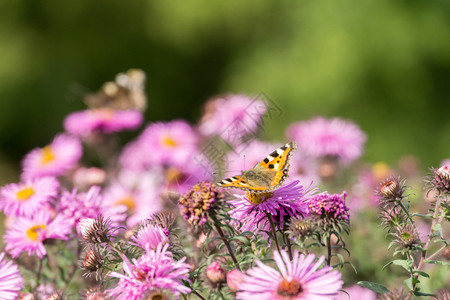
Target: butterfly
(126, 92)
(267, 175)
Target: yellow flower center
(33, 232)
(258, 198)
(169, 142)
(47, 155)
(127, 201)
(25, 193)
(289, 289)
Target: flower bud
(93, 261)
(391, 190)
(26, 296)
(215, 273)
(442, 179)
(95, 230)
(234, 278)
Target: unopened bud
(215, 273)
(95, 230)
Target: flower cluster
(329, 210)
(199, 201)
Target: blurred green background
(384, 64)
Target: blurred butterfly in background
(126, 92)
(267, 175)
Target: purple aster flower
(321, 137)
(153, 271)
(28, 197)
(149, 236)
(356, 292)
(289, 200)
(102, 120)
(329, 209)
(10, 279)
(298, 279)
(91, 204)
(56, 159)
(232, 117)
(29, 234)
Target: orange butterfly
(267, 175)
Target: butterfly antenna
(244, 162)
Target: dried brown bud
(391, 189)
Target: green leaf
(427, 216)
(386, 265)
(418, 293)
(376, 287)
(421, 273)
(437, 262)
(408, 283)
(402, 263)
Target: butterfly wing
(267, 175)
(240, 182)
(275, 166)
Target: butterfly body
(126, 92)
(267, 175)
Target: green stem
(328, 249)
(406, 211)
(224, 239)
(272, 225)
(437, 207)
(74, 268)
(198, 295)
(288, 244)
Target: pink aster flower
(356, 292)
(29, 234)
(232, 117)
(153, 271)
(28, 197)
(140, 201)
(298, 279)
(56, 159)
(91, 204)
(102, 120)
(171, 143)
(329, 209)
(148, 237)
(289, 200)
(10, 279)
(321, 137)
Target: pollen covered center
(47, 155)
(169, 142)
(34, 232)
(25, 193)
(289, 288)
(259, 198)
